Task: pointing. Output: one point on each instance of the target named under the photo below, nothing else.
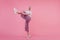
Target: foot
(28, 37)
(15, 10)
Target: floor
(33, 37)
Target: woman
(26, 15)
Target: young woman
(26, 15)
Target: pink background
(45, 22)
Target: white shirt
(28, 12)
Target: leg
(27, 18)
(16, 11)
(27, 26)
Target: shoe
(15, 10)
(28, 37)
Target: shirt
(28, 12)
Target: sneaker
(28, 38)
(15, 10)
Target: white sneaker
(15, 10)
(28, 37)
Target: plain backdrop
(45, 17)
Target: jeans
(27, 20)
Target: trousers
(27, 20)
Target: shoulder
(28, 11)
